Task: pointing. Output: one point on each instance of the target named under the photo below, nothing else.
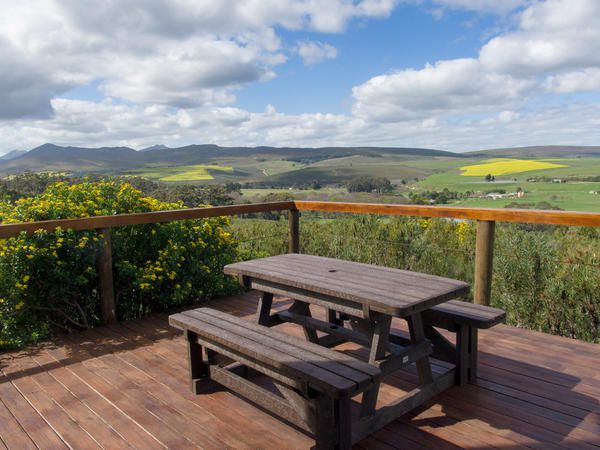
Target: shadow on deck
(126, 385)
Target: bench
(464, 319)
(315, 384)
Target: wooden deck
(125, 385)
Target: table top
(389, 291)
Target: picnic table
(361, 300)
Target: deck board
(125, 385)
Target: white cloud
(555, 49)
(313, 52)
(183, 53)
(584, 80)
(459, 86)
(553, 36)
(178, 65)
(108, 123)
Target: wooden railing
(486, 219)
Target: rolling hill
(540, 151)
(247, 163)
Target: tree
(370, 184)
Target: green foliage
(546, 278)
(49, 281)
(370, 184)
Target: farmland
(550, 176)
(198, 172)
(505, 166)
(545, 181)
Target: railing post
(294, 232)
(105, 272)
(484, 255)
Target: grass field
(461, 174)
(505, 166)
(572, 195)
(198, 172)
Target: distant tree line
(29, 184)
(435, 197)
(380, 185)
(281, 184)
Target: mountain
(50, 157)
(540, 151)
(13, 154)
(154, 147)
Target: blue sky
(449, 74)
(368, 48)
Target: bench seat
(456, 312)
(464, 319)
(316, 383)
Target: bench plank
(267, 337)
(265, 349)
(478, 316)
(340, 357)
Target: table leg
(378, 327)
(263, 310)
(417, 335)
(303, 309)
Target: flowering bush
(49, 281)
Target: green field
(199, 172)
(408, 173)
(572, 195)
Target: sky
(454, 75)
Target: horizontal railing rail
(486, 219)
(546, 217)
(121, 220)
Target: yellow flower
(19, 305)
(26, 278)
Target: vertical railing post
(484, 256)
(105, 272)
(294, 231)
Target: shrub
(48, 281)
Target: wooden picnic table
(361, 300)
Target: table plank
(383, 289)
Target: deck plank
(127, 383)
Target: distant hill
(12, 154)
(50, 157)
(154, 147)
(541, 151)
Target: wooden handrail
(120, 220)
(574, 218)
(485, 217)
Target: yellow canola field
(505, 166)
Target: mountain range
(277, 165)
(50, 157)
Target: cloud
(459, 86)
(556, 35)
(580, 81)
(313, 52)
(79, 122)
(182, 53)
(170, 71)
(556, 48)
